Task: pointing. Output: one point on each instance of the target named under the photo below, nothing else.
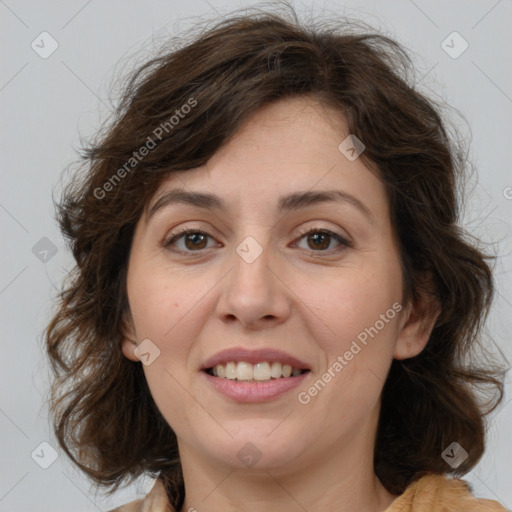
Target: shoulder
(133, 506)
(436, 493)
(155, 501)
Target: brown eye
(193, 240)
(319, 240)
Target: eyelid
(203, 227)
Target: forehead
(288, 146)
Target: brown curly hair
(103, 413)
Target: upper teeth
(259, 371)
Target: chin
(254, 448)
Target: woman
(273, 306)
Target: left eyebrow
(304, 199)
(286, 203)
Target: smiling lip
(246, 392)
(238, 354)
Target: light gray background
(47, 102)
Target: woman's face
(248, 278)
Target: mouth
(264, 371)
(257, 375)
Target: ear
(128, 344)
(417, 322)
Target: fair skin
(310, 297)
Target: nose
(253, 293)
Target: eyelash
(344, 243)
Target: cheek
(359, 313)
(160, 301)
(354, 303)
(164, 312)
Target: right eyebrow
(199, 199)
